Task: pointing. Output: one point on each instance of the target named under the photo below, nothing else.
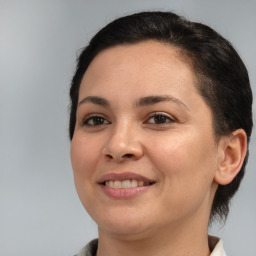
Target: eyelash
(92, 118)
(162, 115)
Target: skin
(180, 153)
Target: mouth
(126, 183)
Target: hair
(222, 78)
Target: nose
(123, 144)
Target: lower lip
(123, 193)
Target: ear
(233, 151)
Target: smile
(126, 183)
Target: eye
(160, 118)
(94, 120)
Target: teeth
(117, 184)
(141, 183)
(134, 183)
(125, 183)
(111, 183)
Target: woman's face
(143, 152)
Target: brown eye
(160, 118)
(95, 121)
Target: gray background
(40, 213)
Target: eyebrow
(151, 100)
(95, 100)
(144, 101)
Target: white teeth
(134, 183)
(117, 184)
(124, 183)
(111, 183)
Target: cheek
(84, 157)
(168, 153)
(184, 158)
(187, 171)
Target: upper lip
(123, 176)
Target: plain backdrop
(40, 213)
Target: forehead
(146, 52)
(151, 64)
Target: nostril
(128, 155)
(108, 156)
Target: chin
(125, 232)
(126, 223)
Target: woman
(160, 124)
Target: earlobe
(234, 149)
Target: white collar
(217, 245)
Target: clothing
(215, 244)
